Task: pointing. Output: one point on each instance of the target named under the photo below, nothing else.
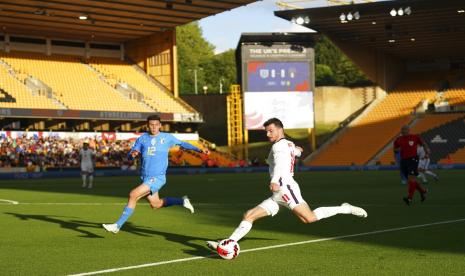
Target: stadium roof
(105, 20)
(427, 29)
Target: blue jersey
(154, 152)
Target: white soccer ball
(228, 249)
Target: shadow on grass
(222, 199)
(78, 225)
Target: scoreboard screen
(278, 76)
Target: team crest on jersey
(152, 179)
(162, 141)
(410, 143)
(153, 142)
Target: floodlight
(350, 16)
(83, 16)
(342, 17)
(400, 12)
(299, 20)
(356, 15)
(306, 19)
(393, 12)
(408, 10)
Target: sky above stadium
(224, 30)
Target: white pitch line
(9, 201)
(271, 247)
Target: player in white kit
(423, 165)
(87, 158)
(285, 190)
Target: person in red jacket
(407, 145)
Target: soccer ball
(228, 249)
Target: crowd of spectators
(44, 153)
(54, 152)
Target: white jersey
(86, 155)
(423, 162)
(282, 160)
(421, 152)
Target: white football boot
(213, 245)
(356, 211)
(187, 204)
(111, 227)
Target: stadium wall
(335, 104)
(156, 54)
(213, 109)
(332, 105)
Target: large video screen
(294, 109)
(278, 76)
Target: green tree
(221, 71)
(193, 52)
(324, 75)
(344, 72)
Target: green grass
(41, 238)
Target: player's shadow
(75, 225)
(196, 244)
(191, 241)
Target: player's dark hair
(274, 121)
(154, 117)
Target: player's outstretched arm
(188, 146)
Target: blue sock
(170, 201)
(127, 212)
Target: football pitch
(55, 229)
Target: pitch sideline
(271, 247)
(9, 201)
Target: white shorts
(87, 167)
(288, 196)
(423, 163)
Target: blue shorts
(155, 183)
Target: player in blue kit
(153, 148)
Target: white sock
(84, 177)
(242, 230)
(91, 180)
(422, 176)
(326, 212)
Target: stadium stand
(425, 123)
(75, 85)
(154, 95)
(364, 138)
(16, 94)
(456, 157)
(445, 139)
(455, 96)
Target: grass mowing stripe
(273, 246)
